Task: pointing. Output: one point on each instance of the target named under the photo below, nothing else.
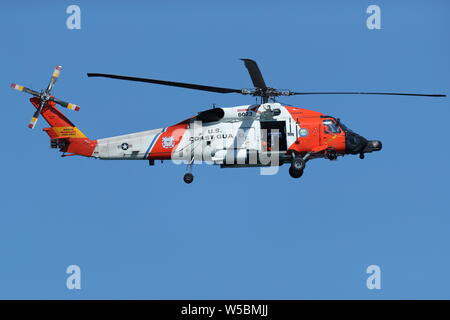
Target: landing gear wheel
(295, 173)
(188, 178)
(361, 155)
(298, 164)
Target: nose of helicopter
(354, 143)
(374, 145)
(357, 144)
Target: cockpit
(331, 126)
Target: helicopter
(264, 134)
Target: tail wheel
(295, 173)
(188, 178)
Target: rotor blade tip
(72, 106)
(32, 123)
(17, 87)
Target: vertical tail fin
(63, 133)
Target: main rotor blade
(378, 93)
(255, 73)
(167, 83)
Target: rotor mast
(261, 89)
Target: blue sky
(140, 232)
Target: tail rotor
(45, 96)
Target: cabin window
(331, 127)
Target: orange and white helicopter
(263, 134)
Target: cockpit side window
(331, 126)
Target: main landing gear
(295, 173)
(297, 166)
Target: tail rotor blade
(24, 89)
(54, 77)
(65, 104)
(36, 114)
(32, 122)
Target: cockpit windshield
(331, 126)
(344, 127)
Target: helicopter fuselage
(249, 135)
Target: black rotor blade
(255, 73)
(378, 93)
(55, 76)
(36, 114)
(167, 83)
(65, 104)
(24, 89)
